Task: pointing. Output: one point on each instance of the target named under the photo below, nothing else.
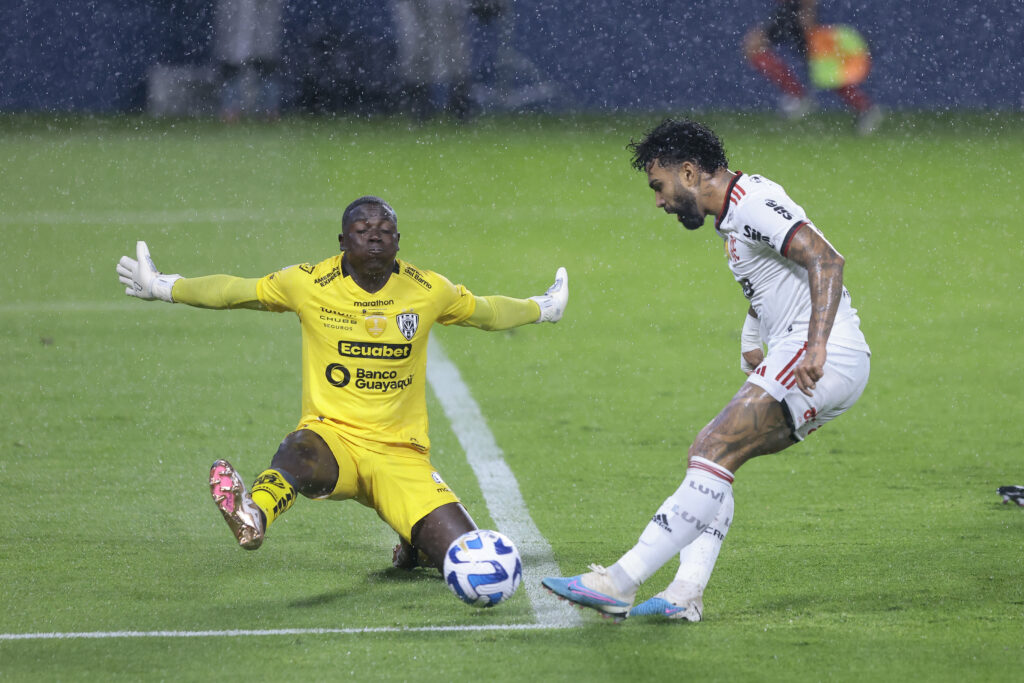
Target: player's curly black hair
(674, 141)
(346, 218)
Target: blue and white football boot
(662, 606)
(594, 590)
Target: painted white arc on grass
(498, 485)
(501, 494)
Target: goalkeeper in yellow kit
(366, 317)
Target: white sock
(697, 560)
(680, 520)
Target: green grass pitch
(877, 550)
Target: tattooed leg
(752, 424)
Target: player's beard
(687, 211)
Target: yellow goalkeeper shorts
(400, 484)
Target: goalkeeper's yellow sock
(273, 493)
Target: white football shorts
(846, 375)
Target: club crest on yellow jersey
(408, 323)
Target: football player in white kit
(816, 366)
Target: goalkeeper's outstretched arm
(141, 279)
(218, 291)
(502, 312)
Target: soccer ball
(483, 567)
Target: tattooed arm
(824, 265)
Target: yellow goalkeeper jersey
(364, 355)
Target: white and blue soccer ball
(483, 567)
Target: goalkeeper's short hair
(346, 218)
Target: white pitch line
(499, 486)
(239, 633)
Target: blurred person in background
(247, 48)
(491, 18)
(434, 56)
(790, 24)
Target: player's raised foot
(661, 606)
(594, 590)
(234, 502)
(1012, 494)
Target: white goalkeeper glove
(553, 302)
(142, 279)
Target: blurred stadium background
(879, 551)
(594, 55)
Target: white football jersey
(757, 223)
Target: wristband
(750, 336)
(162, 286)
